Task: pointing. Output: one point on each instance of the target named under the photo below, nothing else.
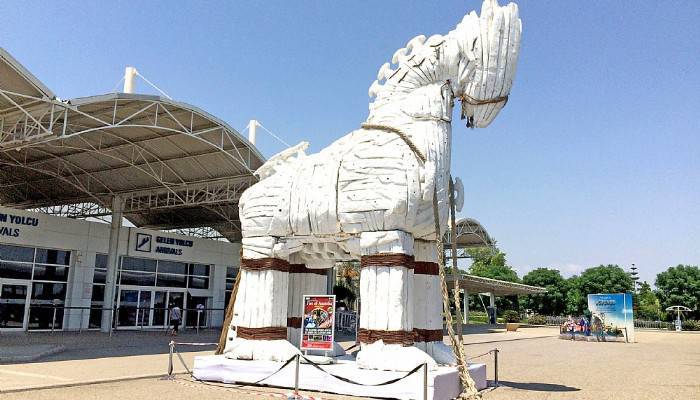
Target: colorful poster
(319, 322)
(612, 315)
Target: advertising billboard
(318, 323)
(612, 315)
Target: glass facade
(37, 284)
(161, 273)
(147, 288)
(39, 274)
(99, 278)
(231, 273)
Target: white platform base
(443, 383)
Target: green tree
(553, 302)
(680, 286)
(574, 303)
(601, 279)
(491, 263)
(344, 293)
(649, 307)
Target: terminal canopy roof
(470, 234)
(173, 165)
(476, 284)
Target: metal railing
(638, 323)
(144, 318)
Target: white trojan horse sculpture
(369, 196)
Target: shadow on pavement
(91, 345)
(539, 387)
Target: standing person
(175, 317)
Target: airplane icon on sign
(143, 242)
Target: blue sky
(596, 158)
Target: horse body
(369, 180)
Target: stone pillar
(112, 265)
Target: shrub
(691, 325)
(537, 320)
(511, 316)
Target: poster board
(613, 311)
(318, 322)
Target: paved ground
(533, 364)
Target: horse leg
(427, 303)
(386, 293)
(261, 305)
(302, 281)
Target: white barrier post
(495, 367)
(53, 321)
(170, 358)
(425, 381)
(296, 379)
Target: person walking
(175, 317)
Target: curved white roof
(174, 165)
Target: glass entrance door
(13, 306)
(160, 304)
(128, 307)
(147, 308)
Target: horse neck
(424, 116)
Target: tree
(601, 279)
(575, 303)
(649, 307)
(344, 293)
(553, 302)
(680, 286)
(491, 264)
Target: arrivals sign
(612, 312)
(318, 324)
(11, 225)
(148, 242)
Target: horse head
(474, 63)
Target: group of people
(572, 326)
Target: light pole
(635, 276)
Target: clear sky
(596, 158)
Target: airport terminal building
(114, 208)
(49, 262)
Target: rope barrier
(194, 344)
(286, 363)
(481, 355)
(348, 380)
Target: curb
(87, 382)
(32, 357)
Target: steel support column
(465, 307)
(112, 264)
